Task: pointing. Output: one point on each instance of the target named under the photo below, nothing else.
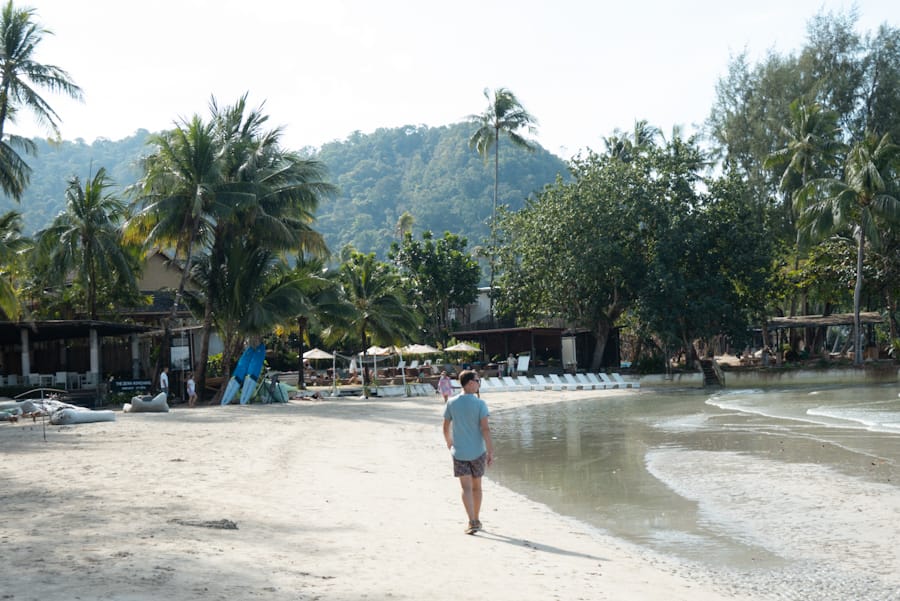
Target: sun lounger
(562, 385)
(572, 382)
(624, 383)
(525, 383)
(542, 381)
(585, 383)
(597, 382)
(492, 384)
(512, 385)
(606, 380)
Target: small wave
(685, 423)
(875, 421)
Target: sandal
(471, 528)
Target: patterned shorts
(474, 468)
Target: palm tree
(257, 292)
(21, 78)
(503, 115)
(404, 224)
(15, 174)
(322, 302)
(811, 150)
(268, 195)
(85, 240)
(177, 192)
(859, 200)
(12, 245)
(212, 183)
(380, 311)
(21, 75)
(625, 146)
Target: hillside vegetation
(429, 172)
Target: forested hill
(429, 172)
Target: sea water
(780, 486)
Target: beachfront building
(553, 347)
(80, 354)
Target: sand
(333, 499)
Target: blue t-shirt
(465, 413)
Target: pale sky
(328, 68)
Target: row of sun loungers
(601, 381)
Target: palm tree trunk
(857, 295)
(494, 218)
(301, 373)
(200, 368)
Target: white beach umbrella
(420, 349)
(463, 347)
(317, 354)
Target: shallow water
(783, 491)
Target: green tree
(575, 251)
(257, 292)
(211, 183)
(624, 146)
(176, 203)
(322, 302)
(269, 195)
(504, 115)
(85, 242)
(12, 247)
(707, 257)
(440, 275)
(21, 79)
(860, 200)
(811, 151)
(381, 314)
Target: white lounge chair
(542, 381)
(572, 382)
(492, 384)
(624, 383)
(585, 383)
(525, 383)
(597, 382)
(562, 385)
(511, 384)
(606, 380)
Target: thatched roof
(813, 321)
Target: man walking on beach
(468, 437)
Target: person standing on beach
(191, 390)
(444, 386)
(468, 436)
(164, 381)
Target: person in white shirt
(191, 390)
(164, 381)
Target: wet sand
(769, 507)
(333, 499)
